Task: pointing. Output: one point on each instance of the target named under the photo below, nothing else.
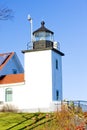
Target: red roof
(12, 78)
(7, 59)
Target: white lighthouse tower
(43, 70)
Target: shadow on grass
(37, 120)
(26, 118)
(34, 125)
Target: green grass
(23, 121)
(67, 118)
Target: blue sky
(68, 20)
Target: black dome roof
(43, 29)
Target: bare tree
(6, 13)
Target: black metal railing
(72, 103)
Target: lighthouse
(43, 70)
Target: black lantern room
(43, 37)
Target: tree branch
(6, 14)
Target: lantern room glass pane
(43, 36)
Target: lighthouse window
(57, 94)
(56, 64)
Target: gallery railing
(72, 103)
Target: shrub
(9, 108)
(68, 118)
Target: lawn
(68, 118)
(23, 121)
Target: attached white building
(41, 83)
